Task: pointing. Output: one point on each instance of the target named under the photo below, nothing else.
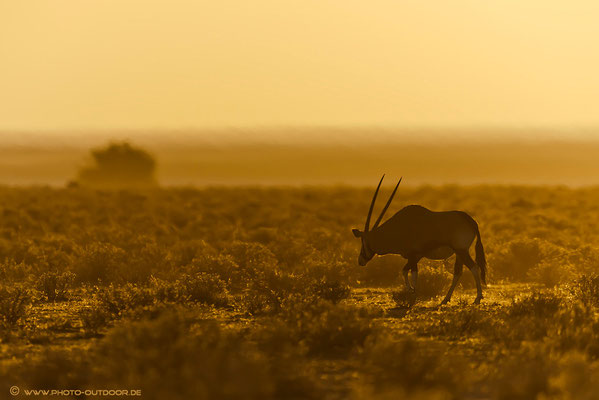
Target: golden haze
(150, 64)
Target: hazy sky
(104, 64)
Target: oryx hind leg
(457, 274)
(474, 268)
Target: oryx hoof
(445, 301)
(477, 300)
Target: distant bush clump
(119, 165)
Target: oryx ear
(356, 233)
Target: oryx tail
(481, 260)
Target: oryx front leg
(405, 271)
(474, 268)
(411, 265)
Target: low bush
(404, 298)
(94, 319)
(100, 263)
(463, 323)
(253, 261)
(324, 328)
(51, 368)
(267, 295)
(406, 368)
(575, 327)
(205, 288)
(14, 304)
(524, 374)
(174, 356)
(332, 291)
(11, 271)
(119, 300)
(552, 272)
(537, 304)
(586, 289)
(520, 258)
(55, 285)
(432, 282)
(222, 265)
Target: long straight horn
(387, 205)
(366, 226)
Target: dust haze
(325, 156)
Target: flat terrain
(255, 293)
(351, 162)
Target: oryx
(415, 232)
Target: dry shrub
(575, 378)
(267, 295)
(524, 374)
(410, 369)
(253, 261)
(51, 368)
(100, 263)
(11, 271)
(205, 288)
(135, 301)
(521, 257)
(586, 289)
(535, 372)
(323, 328)
(222, 265)
(119, 300)
(330, 270)
(575, 327)
(150, 259)
(54, 285)
(552, 272)
(332, 291)
(14, 304)
(166, 357)
(94, 319)
(171, 356)
(404, 298)
(464, 323)
(528, 318)
(184, 251)
(537, 304)
(432, 282)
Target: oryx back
(417, 231)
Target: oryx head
(366, 253)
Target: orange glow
(152, 64)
